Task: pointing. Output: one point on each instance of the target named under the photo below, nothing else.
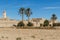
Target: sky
(39, 8)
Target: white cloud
(51, 8)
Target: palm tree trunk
(22, 17)
(28, 18)
(53, 23)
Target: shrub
(46, 23)
(30, 24)
(20, 24)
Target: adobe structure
(7, 22)
(8, 32)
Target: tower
(4, 14)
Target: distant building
(38, 21)
(51, 22)
(6, 22)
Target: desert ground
(29, 34)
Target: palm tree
(28, 13)
(53, 18)
(21, 11)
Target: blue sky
(40, 8)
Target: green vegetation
(21, 11)
(46, 23)
(20, 24)
(28, 13)
(53, 18)
(30, 24)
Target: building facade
(7, 22)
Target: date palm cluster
(27, 12)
